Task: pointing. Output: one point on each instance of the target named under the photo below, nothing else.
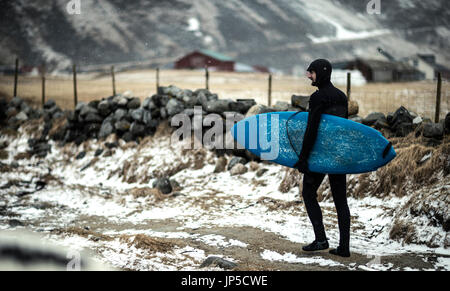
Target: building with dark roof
(385, 71)
(205, 58)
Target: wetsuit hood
(323, 69)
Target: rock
(137, 129)
(128, 94)
(418, 120)
(57, 114)
(163, 184)
(21, 116)
(373, 117)
(4, 144)
(104, 108)
(120, 101)
(25, 108)
(281, 106)
(221, 164)
(111, 145)
(15, 223)
(353, 107)
(380, 123)
(98, 152)
(39, 148)
(189, 99)
(433, 130)
(146, 103)
(15, 102)
(80, 106)
(261, 172)
(106, 129)
(218, 106)
(401, 115)
(127, 136)
(219, 262)
(174, 106)
(258, 109)
(94, 104)
(85, 110)
(163, 113)
(356, 118)
(10, 112)
(122, 125)
(160, 100)
(236, 160)
(120, 114)
(93, 117)
(242, 105)
(146, 117)
(301, 102)
(137, 114)
(403, 129)
(134, 103)
(173, 91)
(80, 155)
(253, 166)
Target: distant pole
(269, 96)
(16, 72)
(207, 78)
(349, 84)
(43, 86)
(157, 80)
(75, 96)
(113, 80)
(438, 98)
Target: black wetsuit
(330, 100)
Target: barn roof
(384, 65)
(216, 55)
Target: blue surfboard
(342, 146)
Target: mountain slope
(279, 34)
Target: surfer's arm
(311, 130)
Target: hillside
(280, 34)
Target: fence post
(75, 96)
(438, 98)
(157, 80)
(269, 96)
(16, 72)
(43, 86)
(207, 77)
(349, 84)
(113, 80)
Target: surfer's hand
(302, 166)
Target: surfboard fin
(387, 149)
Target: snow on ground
(101, 198)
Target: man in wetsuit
(330, 100)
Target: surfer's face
(311, 75)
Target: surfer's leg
(339, 190)
(311, 182)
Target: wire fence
(419, 97)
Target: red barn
(205, 58)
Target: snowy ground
(244, 219)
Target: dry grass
(292, 178)
(384, 97)
(84, 233)
(276, 205)
(407, 169)
(151, 244)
